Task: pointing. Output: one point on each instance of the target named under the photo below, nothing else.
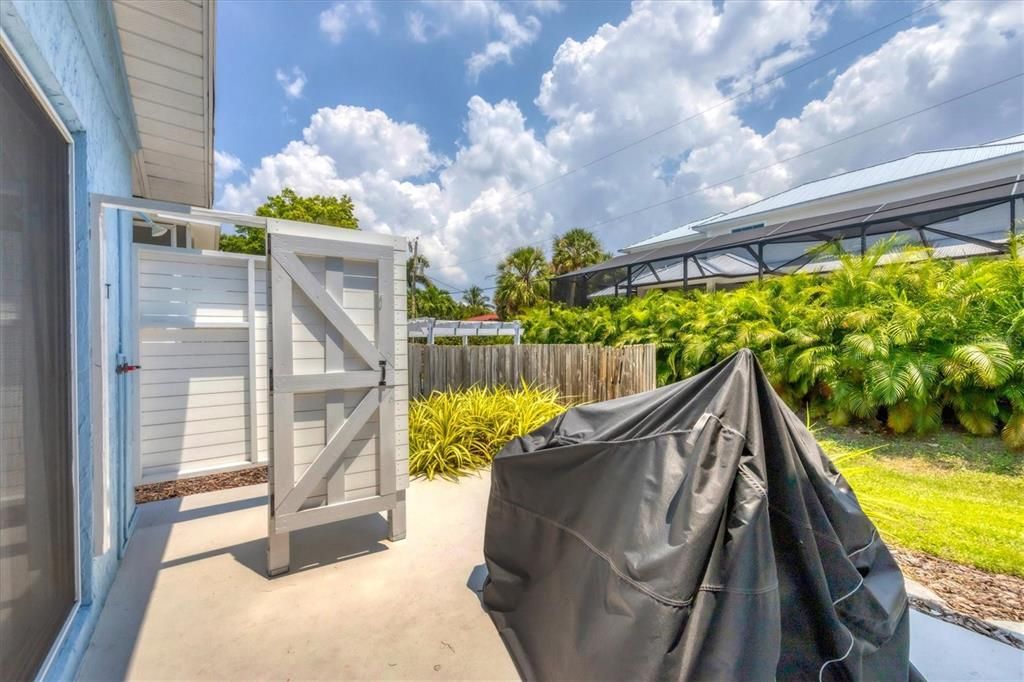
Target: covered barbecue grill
(696, 531)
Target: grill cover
(696, 531)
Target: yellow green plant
(454, 433)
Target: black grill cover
(696, 531)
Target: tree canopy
(576, 249)
(432, 301)
(475, 301)
(288, 205)
(522, 281)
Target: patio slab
(191, 600)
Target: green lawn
(950, 495)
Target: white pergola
(429, 328)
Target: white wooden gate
(337, 320)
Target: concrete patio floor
(191, 600)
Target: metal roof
(889, 217)
(681, 231)
(921, 163)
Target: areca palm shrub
(913, 343)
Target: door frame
(10, 52)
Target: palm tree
(522, 281)
(475, 301)
(416, 271)
(576, 249)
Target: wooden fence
(581, 373)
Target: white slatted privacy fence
(204, 402)
(204, 348)
(298, 359)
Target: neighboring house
(96, 98)
(960, 202)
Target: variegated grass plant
(454, 433)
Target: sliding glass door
(37, 517)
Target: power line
(727, 100)
(840, 140)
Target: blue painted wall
(72, 51)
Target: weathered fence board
(580, 372)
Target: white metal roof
(921, 163)
(168, 51)
(681, 231)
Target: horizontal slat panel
(152, 72)
(140, 46)
(224, 386)
(193, 348)
(193, 375)
(177, 148)
(169, 131)
(199, 467)
(186, 14)
(169, 115)
(238, 450)
(152, 418)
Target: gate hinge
(383, 373)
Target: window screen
(37, 555)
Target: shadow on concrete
(127, 606)
(174, 514)
(311, 547)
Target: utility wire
(840, 140)
(727, 100)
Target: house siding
(71, 50)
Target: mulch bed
(964, 588)
(153, 492)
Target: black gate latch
(383, 376)
(124, 367)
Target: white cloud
(336, 20)
(546, 6)
(360, 140)
(514, 34)
(225, 164)
(293, 82)
(507, 31)
(665, 63)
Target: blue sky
(433, 116)
(425, 83)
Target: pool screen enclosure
(696, 531)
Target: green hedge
(912, 343)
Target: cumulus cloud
(336, 20)
(507, 30)
(514, 34)
(225, 164)
(664, 63)
(292, 81)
